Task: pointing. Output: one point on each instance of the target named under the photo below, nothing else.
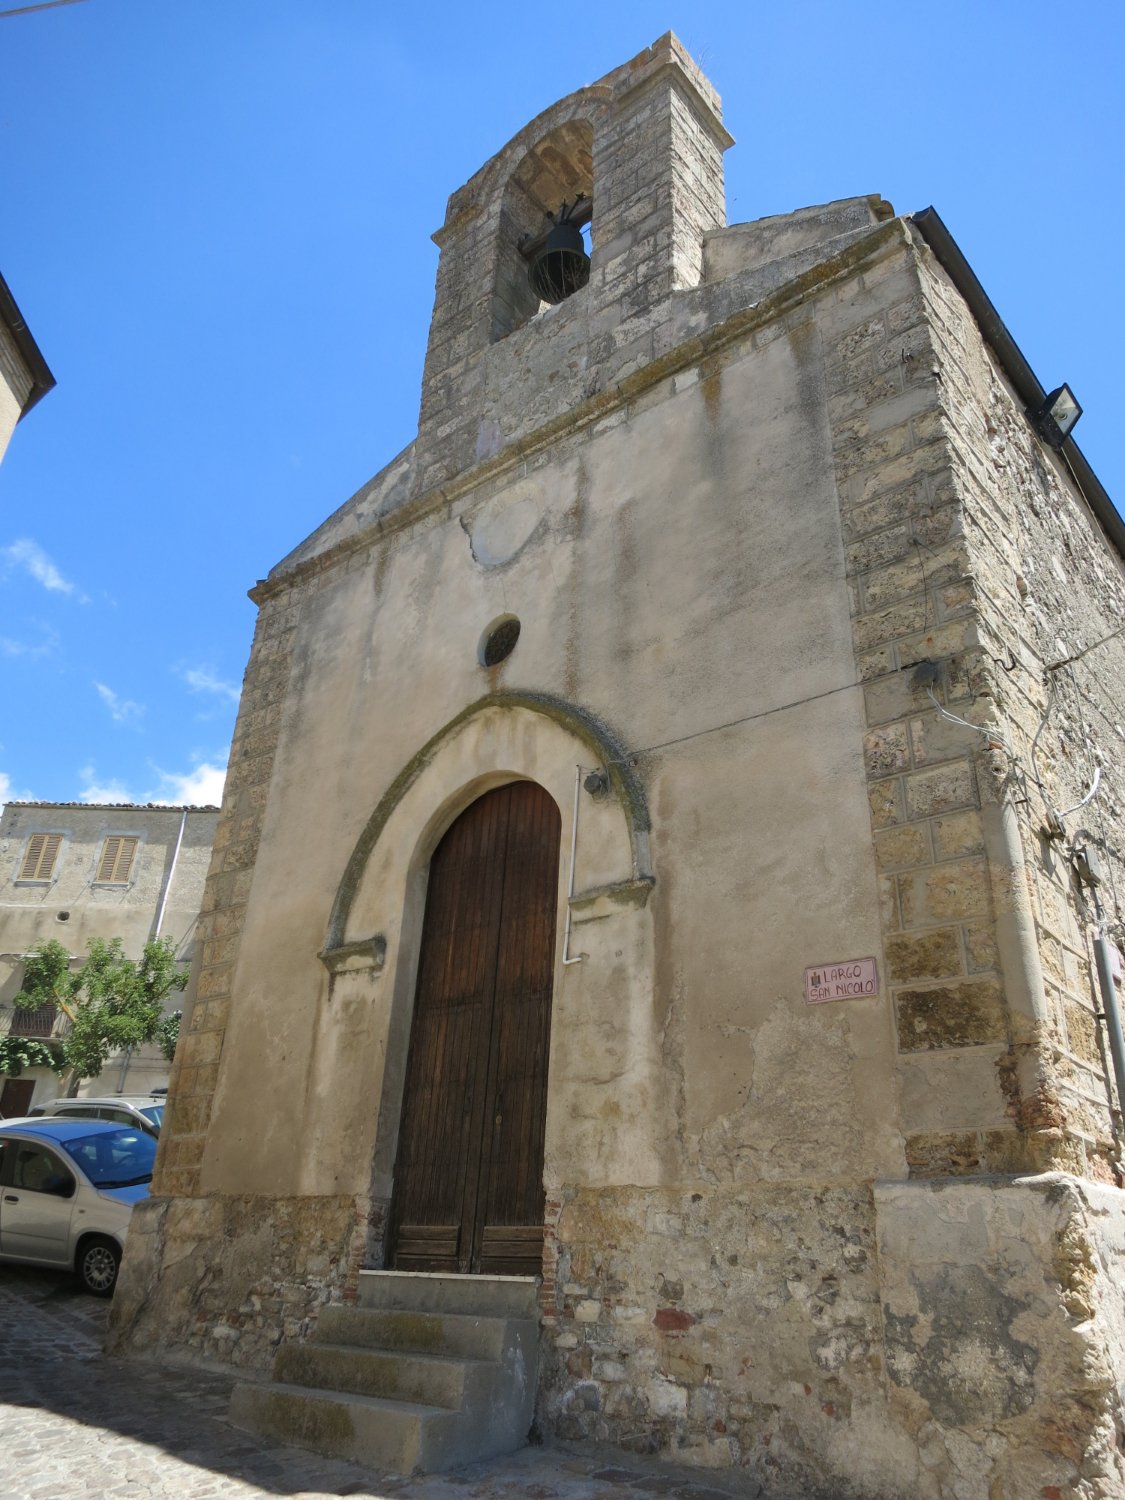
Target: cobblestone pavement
(76, 1424)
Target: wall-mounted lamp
(1056, 417)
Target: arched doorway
(468, 1193)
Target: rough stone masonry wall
(732, 1326)
(1049, 589)
(224, 1279)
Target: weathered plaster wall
(572, 548)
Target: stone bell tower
(644, 146)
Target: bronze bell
(560, 266)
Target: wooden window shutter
(116, 860)
(39, 859)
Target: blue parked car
(67, 1190)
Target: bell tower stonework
(728, 679)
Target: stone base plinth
(946, 1340)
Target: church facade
(658, 855)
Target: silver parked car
(146, 1110)
(67, 1190)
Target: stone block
(936, 738)
(885, 798)
(980, 946)
(885, 510)
(922, 569)
(878, 548)
(899, 471)
(886, 750)
(934, 954)
(943, 640)
(947, 892)
(892, 697)
(889, 914)
(957, 834)
(889, 624)
(955, 1090)
(940, 790)
(872, 664)
(903, 847)
(967, 1153)
(875, 451)
(966, 1014)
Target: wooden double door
(468, 1193)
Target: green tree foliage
(47, 979)
(112, 1002)
(168, 1033)
(19, 1052)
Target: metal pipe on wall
(156, 931)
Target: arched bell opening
(550, 193)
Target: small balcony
(41, 1024)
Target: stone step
(394, 1374)
(397, 1435)
(430, 1371)
(461, 1335)
(445, 1292)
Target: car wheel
(98, 1262)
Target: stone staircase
(424, 1372)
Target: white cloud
(122, 710)
(10, 793)
(203, 680)
(28, 555)
(34, 651)
(108, 791)
(201, 786)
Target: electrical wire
(764, 713)
(1089, 795)
(25, 10)
(989, 734)
(1053, 666)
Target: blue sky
(216, 222)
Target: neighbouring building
(75, 871)
(24, 376)
(673, 818)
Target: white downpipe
(570, 883)
(171, 873)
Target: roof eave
(1014, 363)
(41, 378)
